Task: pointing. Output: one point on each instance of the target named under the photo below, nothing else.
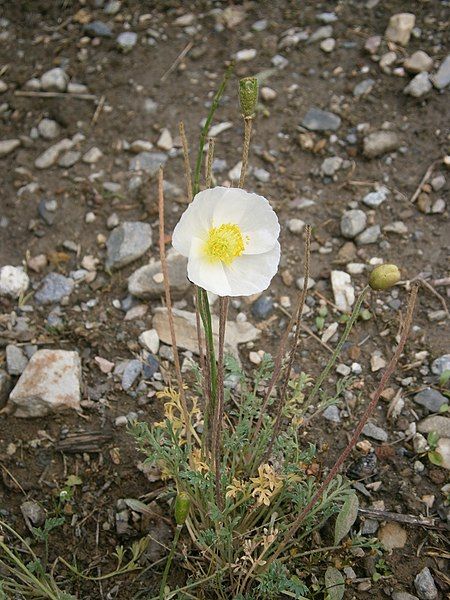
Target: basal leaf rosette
(230, 238)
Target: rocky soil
(351, 136)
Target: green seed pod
(248, 95)
(182, 506)
(384, 277)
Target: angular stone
(97, 29)
(321, 120)
(425, 586)
(353, 222)
(363, 88)
(380, 142)
(8, 146)
(148, 282)
(186, 331)
(418, 62)
(54, 288)
(92, 155)
(418, 86)
(150, 340)
(400, 27)
(403, 596)
(13, 281)
(442, 77)
(369, 235)
(127, 243)
(16, 361)
(375, 199)
(441, 364)
(376, 433)
(149, 162)
(126, 41)
(50, 383)
(344, 294)
(55, 80)
(430, 399)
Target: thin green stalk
(339, 346)
(169, 562)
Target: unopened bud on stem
(384, 276)
(182, 506)
(248, 96)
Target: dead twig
(98, 110)
(177, 61)
(424, 180)
(384, 515)
(65, 95)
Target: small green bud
(182, 506)
(384, 277)
(248, 95)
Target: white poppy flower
(230, 237)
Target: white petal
(208, 275)
(196, 219)
(251, 274)
(259, 241)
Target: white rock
(92, 155)
(328, 45)
(400, 27)
(51, 155)
(3, 86)
(268, 94)
(13, 281)
(235, 172)
(442, 77)
(150, 340)
(219, 128)
(296, 226)
(48, 129)
(418, 62)
(141, 146)
(377, 362)
(245, 55)
(33, 84)
(165, 141)
(344, 294)
(418, 86)
(77, 88)
(8, 146)
(50, 383)
(55, 80)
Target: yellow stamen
(224, 243)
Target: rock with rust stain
(50, 383)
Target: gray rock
(262, 307)
(55, 80)
(418, 86)
(92, 155)
(369, 235)
(16, 361)
(33, 513)
(51, 155)
(418, 62)
(50, 383)
(376, 433)
(403, 596)
(54, 288)
(330, 165)
(425, 586)
(149, 162)
(370, 527)
(13, 281)
(321, 34)
(68, 159)
(97, 29)
(437, 423)
(131, 373)
(353, 222)
(327, 17)
(441, 364)
(261, 175)
(321, 120)
(442, 77)
(48, 129)
(126, 41)
(430, 399)
(397, 227)
(331, 413)
(363, 88)
(380, 142)
(127, 243)
(112, 7)
(147, 282)
(8, 146)
(400, 27)
(375, 199)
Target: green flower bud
(182, 506)
(384, 277)
(248, 95)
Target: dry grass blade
(162, 253)
(209, 161)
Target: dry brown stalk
(162, 253)
(248, 123)
(288, 370)
(209, 162)
(187, 164)
(295, 318)
(351, 444)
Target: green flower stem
(169, 562)
(339, 346)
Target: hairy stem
(169, 562)
(248, 123)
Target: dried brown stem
(209, 162)
(351, 444)
(218, 417)
(287, 373)
(278, 363)
(248, 123)
(162, 253)
(187, 164)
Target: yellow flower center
(224, 243)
